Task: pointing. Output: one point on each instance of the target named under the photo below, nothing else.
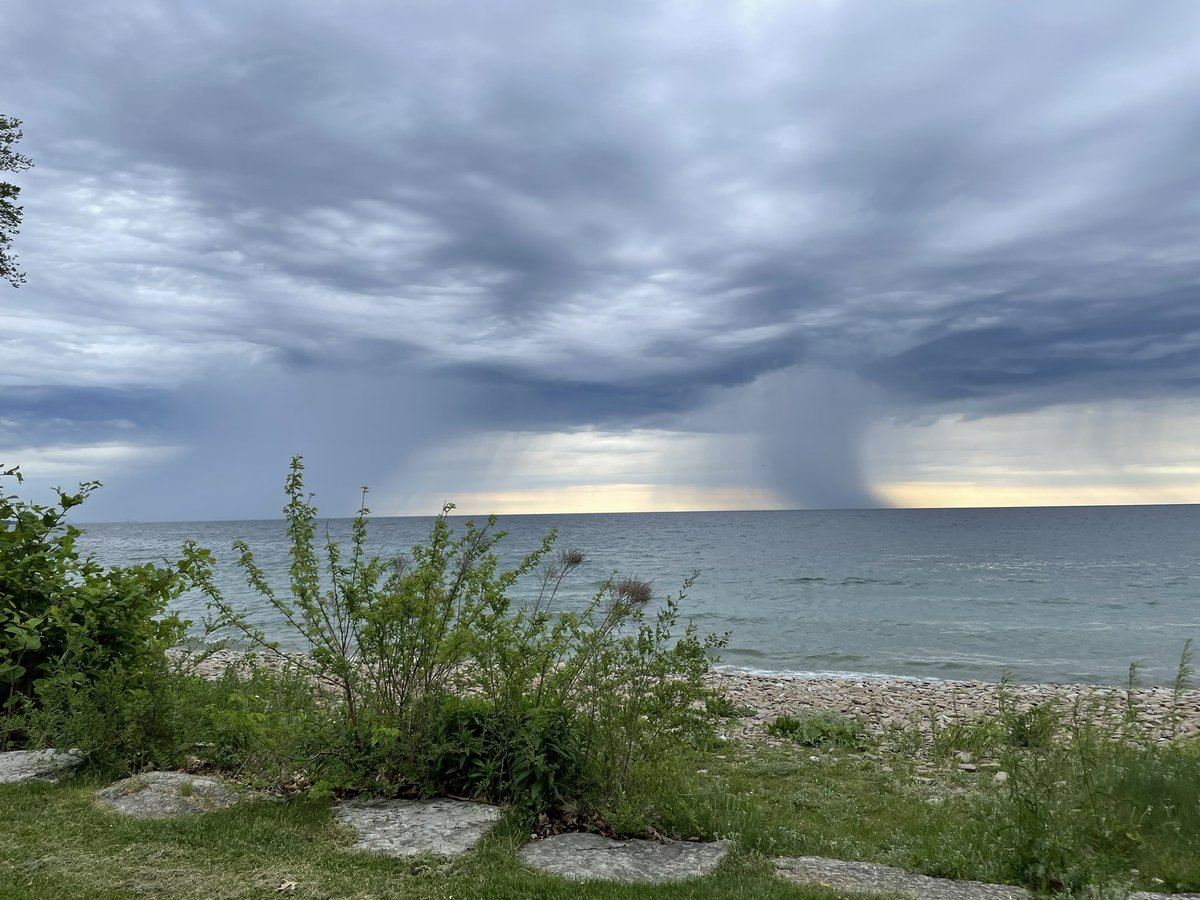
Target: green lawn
(1070, 813)
(58, 843)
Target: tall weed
(438, 681)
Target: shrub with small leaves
(443, 683)
(66, 622)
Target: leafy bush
(818, 729)
(70, 629)
(262, 725)
(1090, 801)
(1090, 798)
(525, 703)
(532, 759)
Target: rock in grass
(35, 765)
(410, 827)
(587, 856)
(159, 795)
(869, 877)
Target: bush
(1088, 803)
(819, 729)
(73, 633)
(1091, 799)
(532, 759)
(523, 703)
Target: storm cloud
(368, 230)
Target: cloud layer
(368, 231)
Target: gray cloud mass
(363, 229)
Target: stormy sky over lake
(545, 256)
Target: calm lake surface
(1048, 595)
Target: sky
(557, 257)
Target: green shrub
(1083, 805)
(1091, 801)
(70, 628)
(818, 729)
(722, 707)
(533, 759)
(524, 703)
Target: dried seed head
(570, 558)
(634, 591)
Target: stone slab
(590, 856)
(159, 795)
(17, 766)
(869, 877)
(409, 827)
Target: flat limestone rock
(35, 765)
(409, 827)
(584, 856)
(860, 876)
(159, 795)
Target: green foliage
(722, 707)
(10, 213)
(261, 725)
(819, 729)
(524, 703)
(1090, 799)
(532, 759)
(70, 628)
(123, 722)
(1085, 805)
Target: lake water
(1048, 595)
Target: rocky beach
(881, 704)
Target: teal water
(1048, 595)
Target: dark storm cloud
(1117, 348)
(567, 215)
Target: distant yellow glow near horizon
(632, 498)
(616, 498)
(965, 494)
(1117, 453)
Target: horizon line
(658, 512)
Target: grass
(909, 809)
(1079, 808)
(59, 844)
(1083, 807)
(789, 801)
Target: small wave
(834, 657)
(1060, 601)
(939, 666)
(798, 675)
(853, 580)
(747, 651)
(807, 579)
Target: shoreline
(885, 702)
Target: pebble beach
(881, 704)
